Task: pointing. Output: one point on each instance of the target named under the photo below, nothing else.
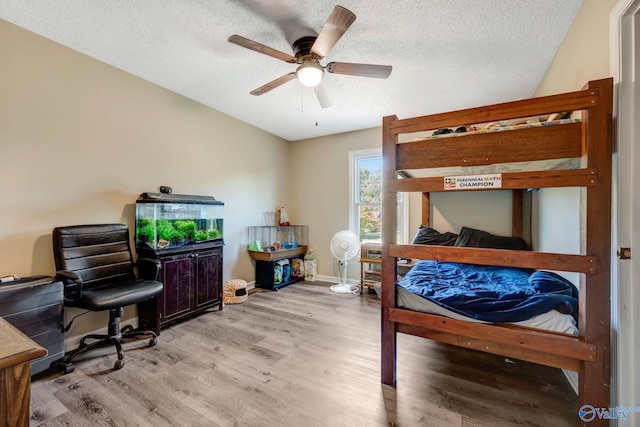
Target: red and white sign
(473, 182)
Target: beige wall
(320, 196)
(320, 189)
(583, 56)
(80, 140)
(584, 53)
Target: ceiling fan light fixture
(310, 74)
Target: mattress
(490, 294)
(552, 320)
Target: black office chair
(96, 266)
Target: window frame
(354, 206)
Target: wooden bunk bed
(590, 139)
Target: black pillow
(472, 238)
(429, 236)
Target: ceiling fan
(309, 51)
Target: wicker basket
(234, 291)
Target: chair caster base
(66, 366)
(61, 366)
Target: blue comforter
(492, 294)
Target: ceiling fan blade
(273, 84)
(363, 70)
(338, 23)
(324, 97)
(260, 48)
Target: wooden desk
(16, 353)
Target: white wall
(80, 140)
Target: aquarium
(165, 221)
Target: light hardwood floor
(300, 356)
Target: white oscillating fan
(344, 245)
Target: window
(365, 176)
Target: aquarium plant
(175, 232)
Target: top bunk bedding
(501, 126)
(519, 141)
(460, 133)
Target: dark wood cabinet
(192, 281)
(208, 286)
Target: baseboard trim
(320, 278)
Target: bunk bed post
(388, 273)
(426, 209)
(595, 289)
(516, 212)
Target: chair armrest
(148, 268)
(72, 285)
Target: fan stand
(343, 287)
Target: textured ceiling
(445, 54)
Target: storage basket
(234, 291)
